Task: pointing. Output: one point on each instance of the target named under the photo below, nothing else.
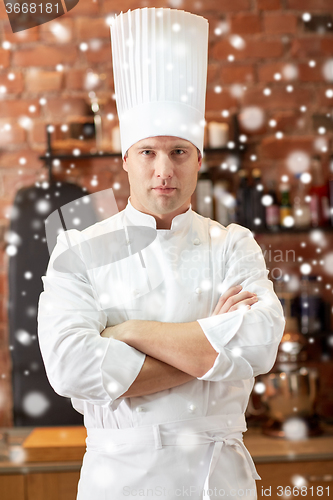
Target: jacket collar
(138, 218)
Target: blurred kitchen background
(268, 165)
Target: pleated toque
(160, 74)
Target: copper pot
(290, 395)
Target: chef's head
(160, 74)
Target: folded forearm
(182, 345)
(156, 376)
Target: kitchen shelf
(87, 156)
(51, 154)
(83, 156)
(291, 231)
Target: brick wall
(261, 54)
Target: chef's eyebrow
(146, 146)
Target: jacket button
(136, 292)
(139, 409)
(196, 241)
(198, 290)
(191, 408)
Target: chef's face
(162, 173)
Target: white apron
(201, 458)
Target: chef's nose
(163, 167)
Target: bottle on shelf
(301, 208)
(272, 211)
(243, 197)
(319, 204)
(285, 205)
(312, 317)
(224, 202)
(258, 215)
(204, 192)
(330, 187)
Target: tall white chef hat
(160, 74)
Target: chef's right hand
(233, 298)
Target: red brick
(71, 106)
(13, 86)
(4, 58)
(13, 181)
(3, 291)
(269, 4)
(6, 413)
(237, 74)
(216, 20)
(289, 71)
(267, 71)
(280, 148)
(14, 108)
(107, 78)
(288, 121)
(220, 101)
(3, 337)
(3, 13)
(113, 6)
(84, 8)
(30, 35)
(212, 72)
(16, 134)
(110, 107)
(312, 5)
(100, 56)
(215, 5)
(280, 23)
(306, 47)
(245, 24)
(45, 55)
(5, 203)
(10, 159)
(258, 48)
(38, 133)
(323, 100)
(4, 353)
(75, 79)
(43, 81)
(57, 31)
(309, 74)
(326, 45)
(91, 28)
(279, 98)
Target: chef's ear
(125, 161)
(199, 159)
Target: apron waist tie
(164, 439)
(218, 445)
(221, 430)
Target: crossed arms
(175, 352)
(145, 357)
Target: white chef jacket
(179, 277)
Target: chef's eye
(146, 152)
(179, 151)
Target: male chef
(158, 325)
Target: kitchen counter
(13, 457)
(263, 449)
(44, 463)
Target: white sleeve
(79, 362)
(246, 341)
